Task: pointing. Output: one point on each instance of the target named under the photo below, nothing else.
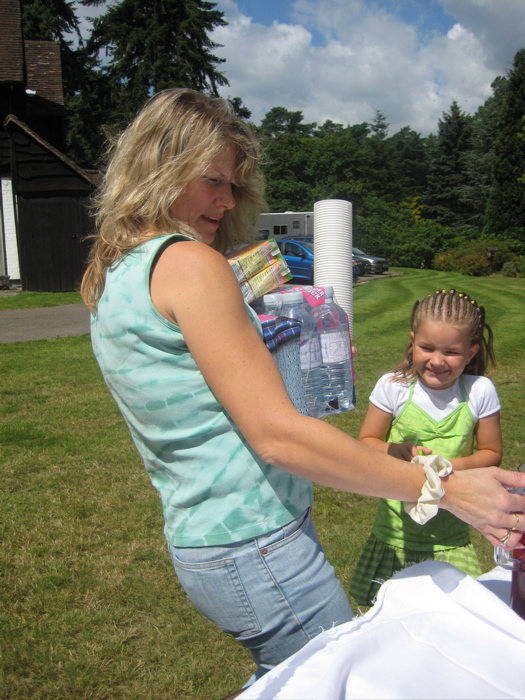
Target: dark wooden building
(44, 217)
(52, 204)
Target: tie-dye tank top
(214, 488)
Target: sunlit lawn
(91, 607)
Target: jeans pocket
(216, 589)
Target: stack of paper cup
(333, 251)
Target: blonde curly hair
(173, 141)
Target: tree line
(459, 191)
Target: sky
(344, 60)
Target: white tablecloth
(434, 632)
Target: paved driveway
(20, 325)
(61, 321)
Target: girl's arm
(490, 445)
(374, 430)
(193, 286)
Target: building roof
(11, 45)
(13, 124)
(44, 69)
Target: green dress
(396, 540)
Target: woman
(182, 354)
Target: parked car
(377, 265)
(363, 260)
(363, 265)
(299, 256)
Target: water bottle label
(310, 351)
(315, 296)
(335, 347)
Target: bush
(469, 256)
(475, 265)
(509, 269)
(446, 262)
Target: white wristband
(427, 506)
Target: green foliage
(472, 257)
(391, 231)
(447, 261)
(448, 171)
(48, 20)
(279, 121)
(151, 45)
(510, 269)
(505, 214)
(479, 160)
(474, 264)
(135, 49)
(305, 165)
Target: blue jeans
(273, 593)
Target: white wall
(11, 249)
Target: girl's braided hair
(462, 312)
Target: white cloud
(368, 60)
(498, 25)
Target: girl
(436, 401)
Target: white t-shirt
(481, 394)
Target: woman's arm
(489, 445)
(374, 430)
(194, 286)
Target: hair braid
(460, 311)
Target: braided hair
(462, 312)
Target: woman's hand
(478, 497)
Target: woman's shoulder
(191, 276)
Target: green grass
(33, 300)
(91, 607)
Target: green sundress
(396, 540)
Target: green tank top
(214, 488)
(451, 437)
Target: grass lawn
(91, 605)
(34, 300)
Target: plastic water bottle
(310, 352)
(336, 367)
(273, 304)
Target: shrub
(474, 264)
(509, 269)
(446, 262)
(469, 255)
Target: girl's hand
(406, 450)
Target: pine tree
(409, 162)
(448, 171)
(151, 45)
(505, 213)
(56, 20)
(474, 194)
(279, 121)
